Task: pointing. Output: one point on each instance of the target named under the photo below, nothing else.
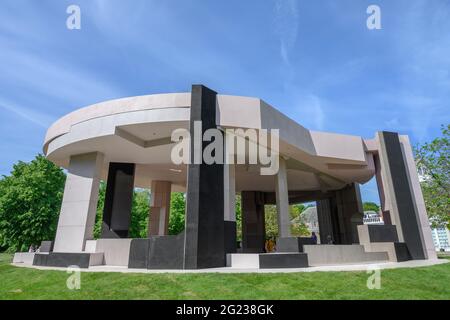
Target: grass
(417, 283)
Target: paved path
(343, 267)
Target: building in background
(372, 217)
(441, 238)
(309, 218)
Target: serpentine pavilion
(129, 143)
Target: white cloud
(285, 25)
(40, 119)
(309, 111)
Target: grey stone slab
(382, 233)
(283, 260)
(139, 252)
(118, 200)
(292, 244)
(402, 252)
(46, 246)
(62, 259)
(341, 254)
(230, 241)
(166, 252)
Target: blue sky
(314, 60)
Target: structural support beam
(325, 222)
(229, 192)
(350, 213)
(282, 198)
(204, 236)
(79, 205)
(118, 200)
(253, 222)
(402, 203)
(158, 223)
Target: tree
(100, 206)
(298, 226)
(371, 206)
(177, 213)
(30, 201)
(238, 211)
(139, 214)
(270, 212)
(433, 162)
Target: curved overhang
(138, 130)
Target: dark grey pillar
(204, 237)
(350, 213)
(253, 222)
(403, 194)
(118, 200)
(327, 216)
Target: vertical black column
(253, 222)
(403, 194)
(204, 237)
(118, 200)
(327, 216)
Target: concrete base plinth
(24, 257)
(396, 251)
(292, 244)
(319, 255)
(64, 260)
(267, 260)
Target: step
(267, 260)
(319, 255)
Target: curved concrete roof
(137, 129)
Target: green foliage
(30, 200)
(139, 214)
(271, 221)
(100, 206)
(428, 282)
(296, 210)
(238, 211)
(298, 228)
(177, 213)
(371, 206)
(433, 161)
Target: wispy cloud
(40, 119)
(309, 111)
(285, 23)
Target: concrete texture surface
(346, 267)
(341, 254)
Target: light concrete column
(414, 182)
(79, 205)
(229, 183)
(282, 199)
(159, 208)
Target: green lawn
(418, 283)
